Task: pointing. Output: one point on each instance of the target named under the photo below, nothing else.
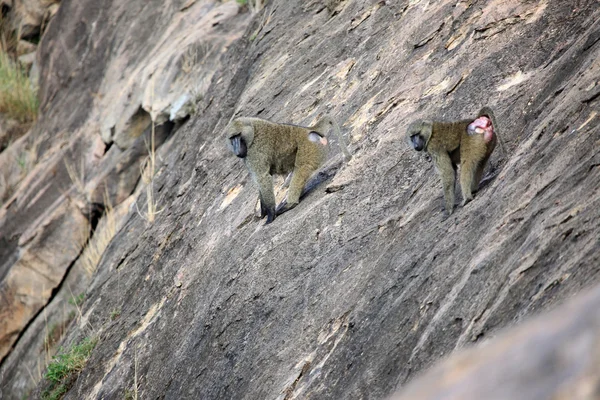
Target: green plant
(64, 368)
(114, 314)
(77, 300)
(254, 5)
(18, 97)
(22, 162)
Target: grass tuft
(148, 172)
(98, 243)
(77, 300)
(65, 367)
(114, 314)
(254, 5)
(18, 97)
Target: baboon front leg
(445, 168)
(266, 196)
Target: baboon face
(418, 133)
(240, 137)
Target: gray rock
(552, 357)
(362, 285)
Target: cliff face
(363, 284)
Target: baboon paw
(284, 206)
(281, 208)
(270, 218)
(446, 213)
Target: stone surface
(173, 62)
(27, 60)
(63, 160)
(29, 16)
(364, 283)
(16, 159)
(556, 356)
(42, 339)
(39, 268)
(25, 47)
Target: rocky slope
(552, 357)
(363, 284)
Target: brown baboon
(270, 148)
(468, 143)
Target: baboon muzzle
(417, 142)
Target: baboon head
(419, 133)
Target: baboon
(270, 148)
(468, 143)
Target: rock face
(555, 357)
(39, 268)
(363, 284)
(72, 175)
(28, 16)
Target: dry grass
(18, 97)
(189, 60)
(25, 159)
(264, 21)
(254, 5)
(135, 377)
(97, 244)
(77, 177)
(148, 172)
(8, 37)
(106, 229)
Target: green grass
(64, 368)
(114, 314)
(77, 301)
(18, 98)
(22, 161)
(129, 395)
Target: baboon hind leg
(478, 175)
(299, 179)
(469, 178)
